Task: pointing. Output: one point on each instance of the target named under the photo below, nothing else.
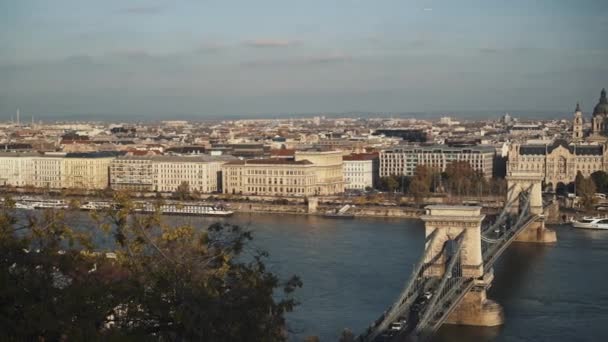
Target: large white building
(87, 171)
(311, 173)
(16, 168)
(166, 173)
(403, 160)
(360, 171)
(558, 162)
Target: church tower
(577, 125)
(600, 114)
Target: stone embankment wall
(377, 211)
(359, 211)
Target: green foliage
(161, 283)
(462, 179)
(183, 191)
(585, 189)
(600, 178)
(389, 183)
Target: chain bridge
(449, 283)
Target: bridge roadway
(427, 301)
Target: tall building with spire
(577, 125)
(600, 116)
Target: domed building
(600, 116)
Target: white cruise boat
(95, 205)
(591, 223)
(184, 209)
(24, 206)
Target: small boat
(95, 206)
(590, 223)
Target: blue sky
(207, 58)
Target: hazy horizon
(214, 59)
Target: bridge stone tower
(518, 182)
(450, 221)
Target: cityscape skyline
(160, 59)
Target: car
(397, 326)
(428, 295)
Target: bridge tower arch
(530, 183)
(447, 223)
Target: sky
(207, 58)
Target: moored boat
(591, 223)
(185, 209)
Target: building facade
(328, 166)
(200, 175)
(47, 172)
(403, 160)
(577, 125)
(361, 171)
(132, 173)
(270, 177)
(16, 169)
(558, 162)
(165, 173)
(56, 170)
(308, 174)
(88, 171)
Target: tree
(347, 336)
(183, 191)
(418, 189)
(585, 189)
(389, 183)
(600, 178)
(462, 179)
(162, 282)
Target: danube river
(354, 269)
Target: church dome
(602, 106)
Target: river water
(353, 269)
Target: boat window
(586, 220)
(604, 221)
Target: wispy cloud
(303, 61)
(427, 9)
(271, 43)
(149, 9)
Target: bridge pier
(450, 221)
(517, 182)
(476, 309)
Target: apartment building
(166, 173)
(328, 166)
(361, 171)
(270, 177)
(87, 170)
(15, 169)
(404, 159)
(308, 174)
(56, 170)
(133, 173)
(200, 174)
